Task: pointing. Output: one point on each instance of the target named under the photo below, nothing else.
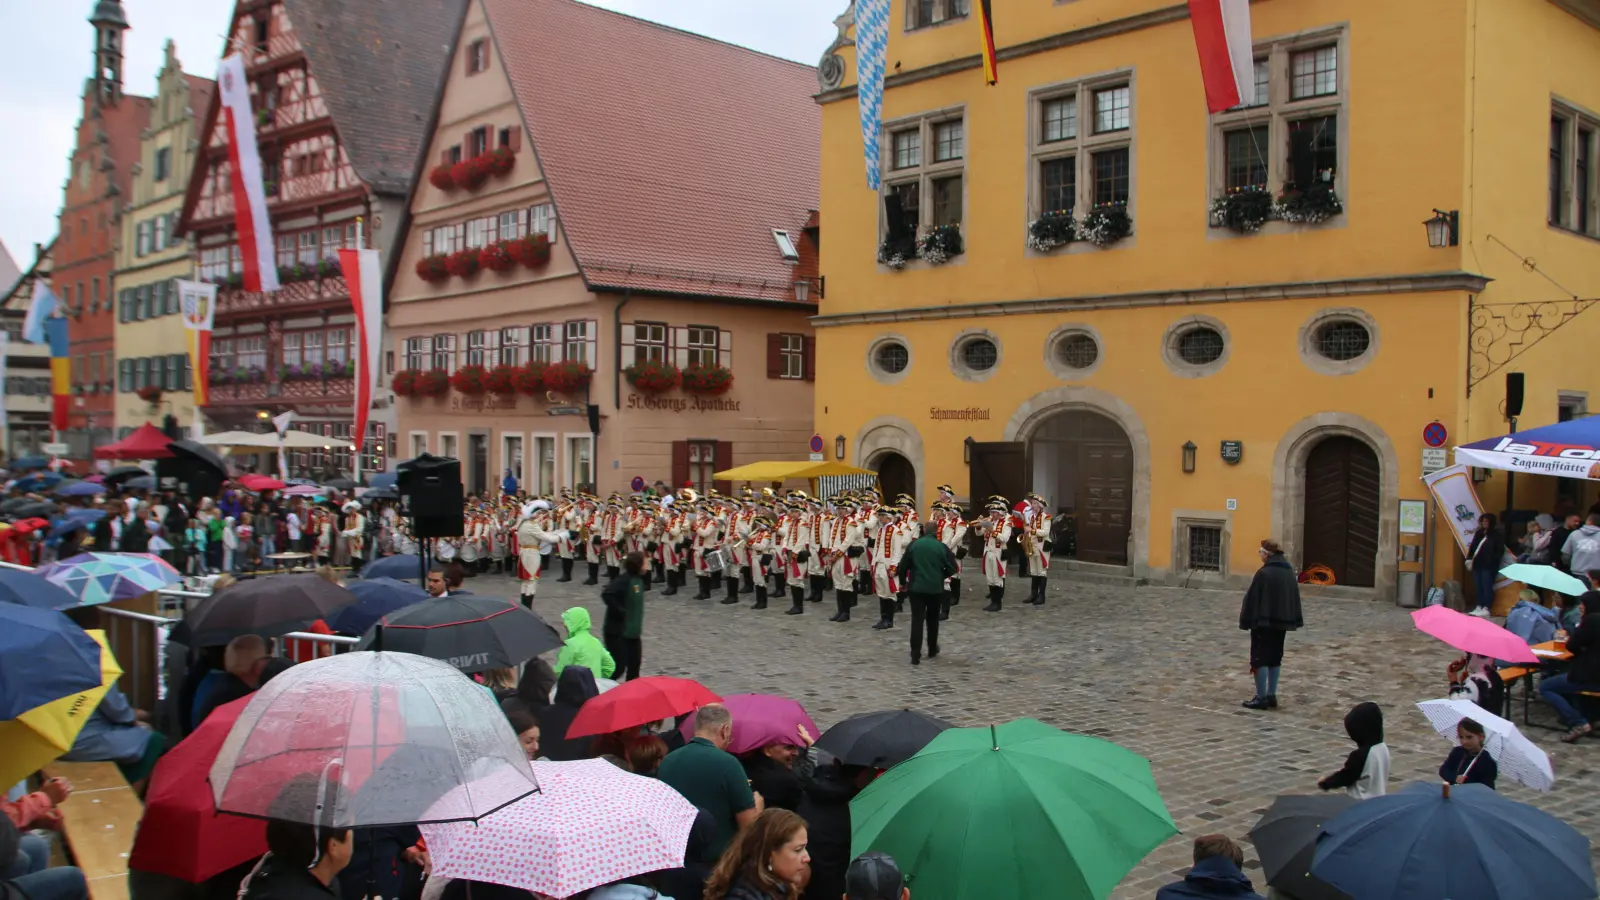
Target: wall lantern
(263, 414)
(966, 450)
(1188, 456)
(1444, 229)
(1480, 475)
(838, 448)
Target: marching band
(756, 543)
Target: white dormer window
(785, 245)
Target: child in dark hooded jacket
(1366, 769)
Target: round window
(1342, 340)
(892, 358)
(1077, 351)
(980, 354)
(1200, 346)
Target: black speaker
(430, 486)
(439, 526)
(1513, 394)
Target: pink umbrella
(302, 490)
(1472, 635)
(761, 719)
(590, 824)
(96, 479)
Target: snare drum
(716, 561)
(469, 551)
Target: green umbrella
(1019, 810)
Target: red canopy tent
(147, 442)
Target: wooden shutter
(808, 357)
(724, 462)
(469, 58)
(628, 332)
(774, 356)
(725, 348)
(680, 464)
(444, 157)
(678, 345)
(516, 138)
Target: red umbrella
(259, 483)
(639, 702)
(182, 834)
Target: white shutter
(627, 345)
(680, 346)
(725, 348)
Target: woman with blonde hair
(766, 861)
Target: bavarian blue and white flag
(44, 305)
(872, 46)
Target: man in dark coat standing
(1270, 610)
(924, 566)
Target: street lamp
(1443, 229)
(1188, 456)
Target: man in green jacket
(583, 648)
(624, 622)
(924, 566)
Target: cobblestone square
(1160, 671)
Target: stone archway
(1289, 472)
(1032, 417)
(886, 435)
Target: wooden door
(997, 468)
(896, 476)
(1105, 501)
(1342, 510)
(479, 448)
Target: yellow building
(1223, 372)
(152, 345)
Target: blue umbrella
(1461, 842)
(62, 527)
(85, 514)
(383, 480)
(81, 489)
(38, 482)
(28, 463)
(378, 598)
(43, 657)
(403, 568)
(27, 589)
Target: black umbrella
(474, 634)
(386, 493)
(123, 473)
(35, 509)
(1286, 840)
(201, 452)
(15, 503)
(142, 483)
(343, 484)
(881, 739)
(266, 606)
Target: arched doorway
(896, 475)
(1083, 466)
(1342, 508)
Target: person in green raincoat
(583, 648)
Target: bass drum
(446, 550)
(469, 551)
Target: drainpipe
(616, 334)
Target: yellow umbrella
(40, 735)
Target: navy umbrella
(43, 657)
(378, 597)
(28, 589)
(141, 483)
(80, 489)
(474, 634)
(27, 463)
(1453, 842)
(383, 480)
(404, 567)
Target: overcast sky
(49, 54)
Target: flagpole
(357, 345)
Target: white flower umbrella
(1518, 758)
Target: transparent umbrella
(369, 739)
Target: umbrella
(27, 463)
(81, 489)
(387, 493)
(200, 452)
(302, 490)
(1472, 635)
(43, 657)
(181, 834)
(759, 720)
(1461, 842)
(384, 480)
(472, 633)
(142, 483)
(370, 739)
(31, 589)
(35, 509)
(1286, 839)
(879, 739)
(103, 577)
(96, 479)
(639, 702)
(960, 814)
(38, 736)
(1518, 758)
(15, 503)
(341, 484)
(376, 598)
(123, 473)
(259, 483)
(590, 824)
(38, 482)
(63, 527)
(1548, 577)
(86, 514)
(265, 606)
(404, 567)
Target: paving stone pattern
(1158, 670)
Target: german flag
(991, 66)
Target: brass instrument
(1027, 542)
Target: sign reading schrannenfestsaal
(1232, 451)
(969, 414)
(683, 404)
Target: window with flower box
(1290, 139)
(513, 345)
(482, 348)
(217, 263)
(251, 351)
(578, 345)
(338, 346)
(419, 353)
(444, 352)
(924, 176)
(541, 343)
(703, 345)
(291, 349)
(222, 354)
(649, 342)
(336, 238)
(1081, 143)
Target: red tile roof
(670, 156)
(200, 91)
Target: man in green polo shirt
(708, 776)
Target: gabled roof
(670, 156)
(124, 124)
(200, 91)
(381, 65)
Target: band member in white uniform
(887, 548)
(1036, 545)
(844, 545)
(533, 539)
(951, 531)
(995, 531)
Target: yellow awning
(784, 471)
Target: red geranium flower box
(439, 177)
(704, 379)
(496, 257)
(433, 269)
(502, 380)
(501, 161)
(469, 380)
(405, 382)
(433, 383)
(469, 174)
(653, 376)
(530, 378)
(567, 377)
(532, 251)
(462, 263)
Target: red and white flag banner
(364, 275)
(1227, 56)
(249, 194)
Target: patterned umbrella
(103, 577)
